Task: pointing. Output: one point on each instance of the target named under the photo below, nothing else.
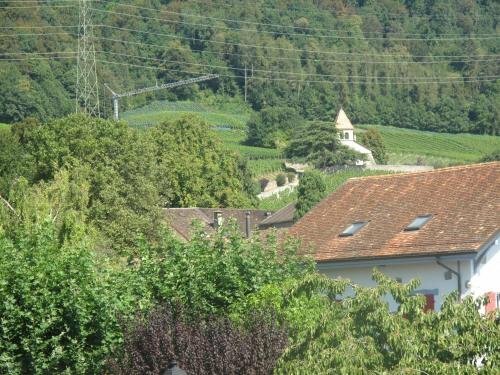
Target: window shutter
(492, 302)
(429, 302)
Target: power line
(33, 34)
(458, 80)
(37, 1)
(298, 58)
(276, 48)
(38, 58)
(290, 34)
(224, 19)
(265, 71)
(36, 7)
(37, 53)
(38, 27)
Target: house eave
(397, 260)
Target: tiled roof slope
(284, 215)
(464, 202)
(181, 219)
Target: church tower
(344, 126)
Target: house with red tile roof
(181, 220)
(442, 227)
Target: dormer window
(346, 135)
(418, 222)
(352, 229)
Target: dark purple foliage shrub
(211, 345)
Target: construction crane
(116, 96)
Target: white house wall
(487, 276)
(430, 274)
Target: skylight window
(418, 222)
(352, 229)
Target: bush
(372, 140)
(336, 327)
(290, 176)
(311, 189)
(201, 345)
(210, 273)
(280, 179)
(58, 313)
(263, 183)
(494, 156)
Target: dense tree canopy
(318, 143)
(372, 140)
(194, 169)
(131, 174)
(272, 126)
(311, 190)
(419, 64)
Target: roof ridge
(438, 170)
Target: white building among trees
(348, 138)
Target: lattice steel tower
(87, 89)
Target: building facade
(441, 227)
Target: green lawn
(406, 146)
(228, 116)
(4, 126)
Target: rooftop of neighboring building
(446, 211)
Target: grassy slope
(231, 116)
(230, 120)
(439, 149)
(404, 146)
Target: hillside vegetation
(428, 65)
(404, 146)
(407, 146)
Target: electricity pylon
(87, 89)
(189, 81)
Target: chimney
(217, 219)
(247, 223)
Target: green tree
(372, 140)
(338, 327)
(117, 162)
(210, 273)
(494, 156)
(59, 309)
(311, 190)
(194, 169)
(272, 126)
(318, 143)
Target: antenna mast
(87, 89)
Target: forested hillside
(420, 64)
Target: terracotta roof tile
(284, 215)
(464, 202)
(181, 219)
